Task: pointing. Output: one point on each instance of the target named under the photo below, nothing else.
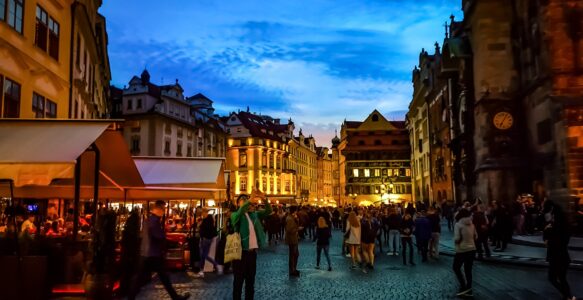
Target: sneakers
(390, 254)
(364, 271)
(465, 292)
(353, 267)
(347, 254)
(317, 267)
(199, 275)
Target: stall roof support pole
(77, 196)
(96, 184)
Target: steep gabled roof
(259, 127)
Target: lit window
(355, 172)
(366, 172)
(408, 172)
(377, 172)
(243, 184)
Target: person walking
(152, 254)
(353, 237)
(556, 237)
(292, 240)
(481, 222)
(406, 231)
(368, 236)
(247, 221)
(323, 235)
(394, 226)
(435, 223)
(423, 234)
(465, 249)
(208, 231)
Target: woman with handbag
(353, 234)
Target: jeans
(244, 271)
(404, 242)
(294, 253)
(434, 244)
(319, 251)
(394, 238)
(467, 260)
(147, 266)
(205, 246)
(558, 278)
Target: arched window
(375, 118)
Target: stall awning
(35, 152)
(182, 172)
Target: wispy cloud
(318, 62)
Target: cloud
(318, 62)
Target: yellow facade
(304, 161)
(35, 59)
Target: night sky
(318, 62)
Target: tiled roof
(255, 124)
(399, 124)
(353, 124)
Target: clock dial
(503, 120)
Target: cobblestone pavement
(389, 280)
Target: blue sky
(316, 61)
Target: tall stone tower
(497, 116)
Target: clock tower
(497, 119)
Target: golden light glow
(230, 142)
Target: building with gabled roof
(374, 161)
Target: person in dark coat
(423, 234)
(152, 254)
(208, 231)
(291, 238)
(273, 226)
(481, 222)
(556, 237)
(406, 231)
(435, 222)
(323, 235)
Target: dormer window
(375, 118)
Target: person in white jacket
(465, 236)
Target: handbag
(233, 247)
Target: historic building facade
(160, 121)
(258, 156)
(36, 62)
(418, 126)
(303, 160)
(510, 87)
(324, 192)
(376, 161)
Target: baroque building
(259, 156)
(324, 176)
(376, 160)
(303, 160)
(39, 74)
(160, 121)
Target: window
(361, 143)
(43, 108)
(47, 33)
(188, 151)
(264, 182)
(2, 10)
(179, 132)
(10, 107)
(179, 148)
(139, 104)
(264, 160)
(135, 145)
(12, 11)
(377, 172)
(243, 161)
(167, 147)
(366, 172)
(355, 172)
(375, 118)
(243, 184)
(130, 104)
(377, 142)
(287, 186)
(408, 172)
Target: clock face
(503, 120)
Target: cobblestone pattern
(390, 279)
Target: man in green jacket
(247, 221)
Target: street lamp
(353, 196)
